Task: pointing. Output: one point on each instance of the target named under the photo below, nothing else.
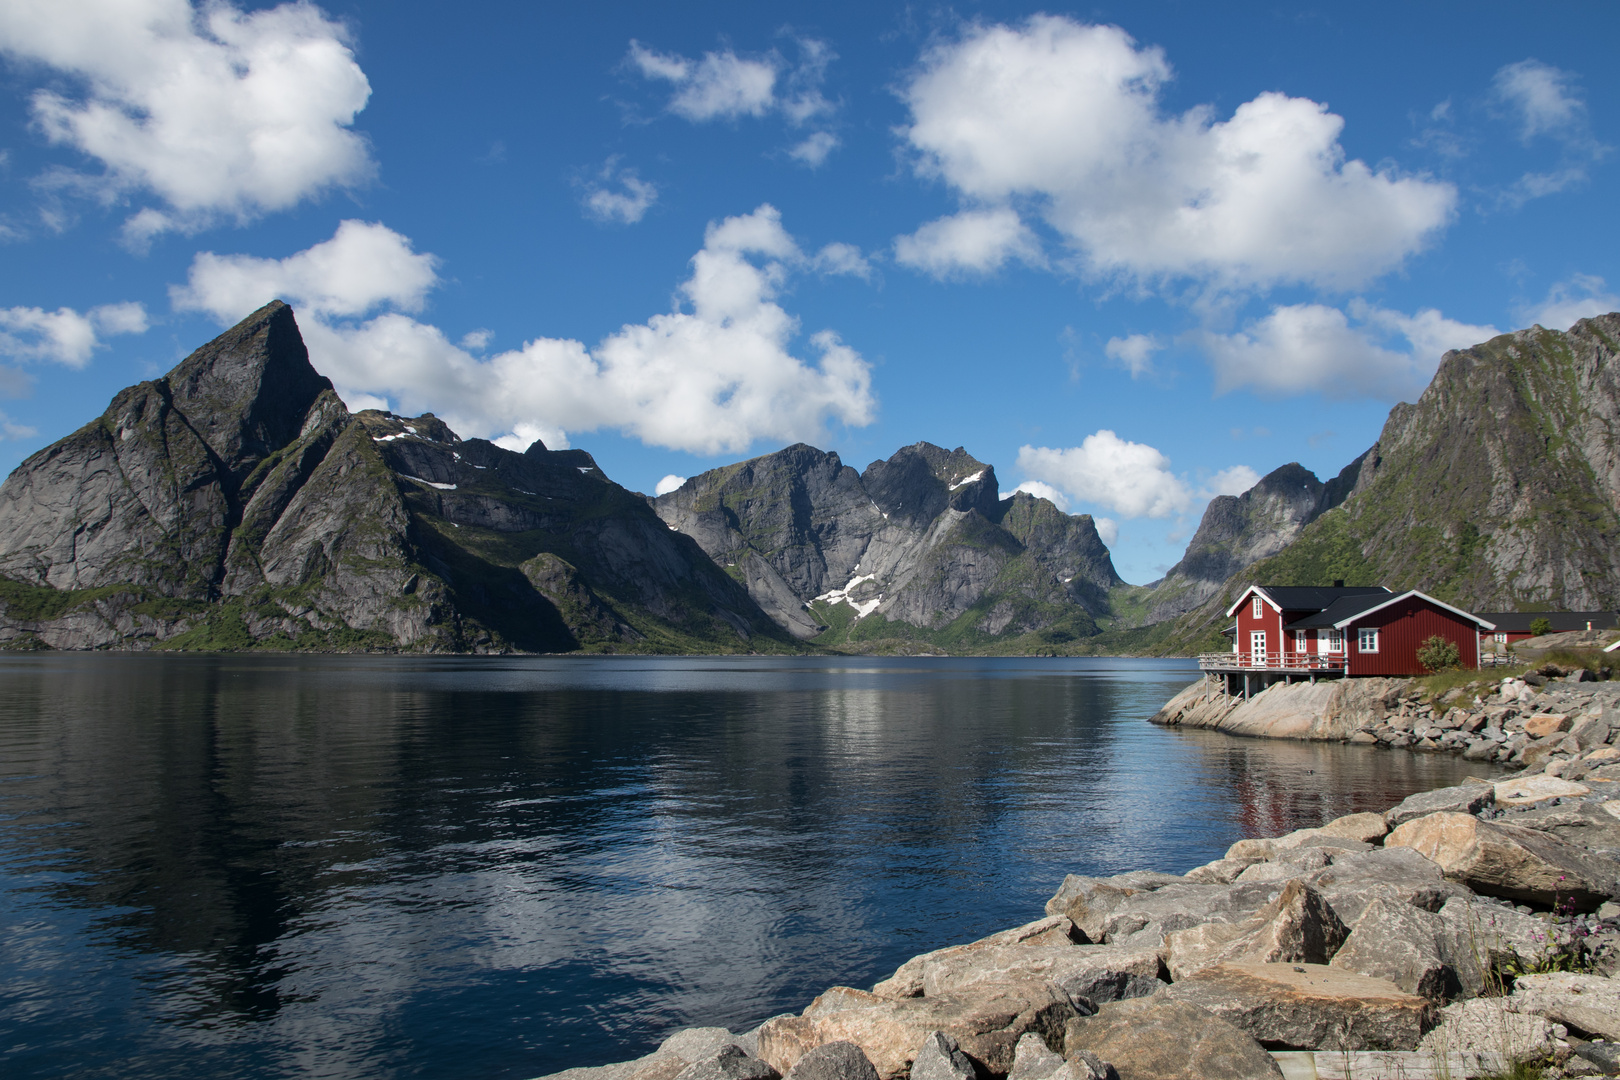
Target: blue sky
(1133, 255)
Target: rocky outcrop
(920, 547)
(236, 503)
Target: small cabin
(1290, 632)
(1514, 626)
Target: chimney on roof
(1338, 583)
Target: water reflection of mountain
(365, 866)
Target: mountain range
(237, 503)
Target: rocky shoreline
(1463, 933)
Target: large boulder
(1401, 944)
(907, 981)
(730, 1062)
(1087, 901)
(1510, 861)
(833, 1061)
(1093, 972)
(1586, 1003)
(1399, 874)
(985, 1024)
(939, 1058)
(1462, 799)
(1480, 938)
(1297, 926)
(1159, 1039)
(1492, 1025)
(1308, 1006)
(1537, 788)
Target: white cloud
(1540, 97)
(1131, 479)
(477, 340)
(64, 336)
(725, 86)
(363, 267)
(1568, 302)
(10, 429)
(841, 258)
(1134, 353)
(973, 241)
(1233, 481)
(1066, 118)
(626, 205)
(216, 111)
(814, 150)
(1306, 348)
(1044, 491)
(668, 484)
(710, 378)
(1107, 530)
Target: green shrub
(1438, 653)
(1540, 626)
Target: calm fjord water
(257, 866)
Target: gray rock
(1087, 901)
(940, 1058)
(697, 1044)
(1307, 1006)
(833, 1061)
(1034, 1060)
(1159, 1039)
(1605, 1055)
(730, 1062)
(1297, 926)
(1463, 799)
(1090, 973)
(1400, 874)
(1084, 1065)
(1399, 943)
(907, 981)
(1493, 1025)
(1480, 938)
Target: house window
(1334, 639)
(1501, 637)
(1259, 607)
(1299, 640)
(1367, 639)
(1257, 648)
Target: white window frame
(1365, 634)
(1257, 637)
(1302, 639)
(1501, 637)
(1259, 608)
(1332, 641)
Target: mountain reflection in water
(253, 866)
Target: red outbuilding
(1288, 631)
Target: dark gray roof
(1342, 608)
(1315, 597)
(1518, 622)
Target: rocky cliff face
(1238, 531)
(1498, 490)
(920, 547)
(236, 502)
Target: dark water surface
(384, 867)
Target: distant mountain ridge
(919, 547)
(237, 503)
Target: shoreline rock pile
(1462, 931)
(1566, 727)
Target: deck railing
(1271, 661)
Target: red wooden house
(1286, 631)
(1513, 626)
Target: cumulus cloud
(841, 258)
(1132, 479)
(64, 336)
(1233, 481)
(972, 242)
(1065, 118)
(668, 484)
(1313, 348)
(1107, 530)
(713, 375)
(620, 195)
(1568, 302)
(725, 86)
(215, 111)
(1134, 352)
(364, 266)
